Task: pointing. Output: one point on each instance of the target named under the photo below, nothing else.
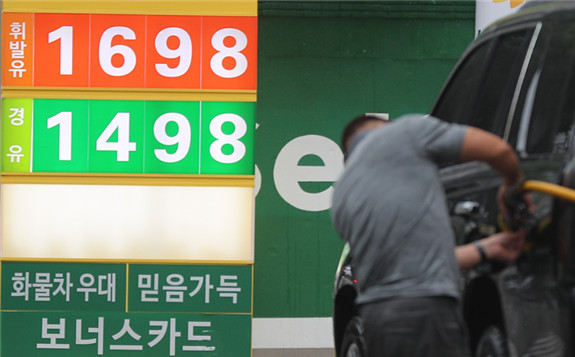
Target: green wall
(320, 64)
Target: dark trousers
(414, 327)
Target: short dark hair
(353, 126)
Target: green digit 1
(60, 135)
(64, 121)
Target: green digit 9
(182, 138)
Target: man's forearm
(467, 256)
(502, 246)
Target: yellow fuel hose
(542, 187)
(549, 188)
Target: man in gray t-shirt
(390, 206)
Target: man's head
(357, 125)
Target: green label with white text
(16, 139)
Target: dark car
(516, 80)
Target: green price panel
(111, 334)
(117, 136)
(63, 286)
(190, 288)
(55, 286)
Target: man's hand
(502, 193)
(516, 207)
(504, 246)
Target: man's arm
(481, 145)
(504, 246)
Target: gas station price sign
(114, 136)
(129, 51)
(119, 252)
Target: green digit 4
(123, 146)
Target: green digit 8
(240, 129)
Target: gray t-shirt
(390, 206)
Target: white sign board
(489, 11)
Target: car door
(518, 84)
(539, 295)
(481, 93)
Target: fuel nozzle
(518, 213)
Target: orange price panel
(229, 59)
(62, 50)
(17, 49)
(117, 45)
(173, 52)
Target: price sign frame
(149, 112)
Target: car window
(481, 95)
(549, 109)
(457, 98)
(501, 81)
